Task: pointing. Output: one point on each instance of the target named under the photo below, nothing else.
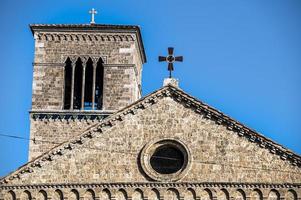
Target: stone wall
(122, 87)
(49, 130)
(51, 53)
(122, 59)
(113, 154)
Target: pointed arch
(223, 194)
(105, 194)
(137, 194)
(89, 195)
(11, 195)
(172, 194)
(189, 194)
(78, 76)
(58, 195)
(154, 194)
(256, 194)
(239, 195)
(88, 85)
(291, 195)
(206, 194)
(73, 195)
(274, 195)
(121, 195)
(42, 195)
(99, 85)
(67, 83)
(26, 195)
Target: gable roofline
(166, 91)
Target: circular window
(165, 160)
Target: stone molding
(69, 115)
(153, 98)
(92, 37)
(157, 185)
(49, 64)
(89, 32)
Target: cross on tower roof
(92, 12)
(170, 59)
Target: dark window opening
(99, 85)
(78, 76)
(167, 159)
(68, 80)
(88, 85)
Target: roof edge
(93, 27)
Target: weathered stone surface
(218, 154)
(220, 157)
(100, 155)
(119, 48)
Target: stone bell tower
(82, 73)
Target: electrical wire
(135, 153)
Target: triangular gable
(179, 96)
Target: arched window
(83, 84)
(78, 76)
(88, 85)
(99, 85)
(67, 83)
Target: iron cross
(93, 12)
(170, 59)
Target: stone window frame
(84, 58)
(150, 148)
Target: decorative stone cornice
(89, 32)
(70, 37)
(68, 115)
(156, 185)
(167, 91)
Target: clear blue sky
(242, 57)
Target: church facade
(95, 137)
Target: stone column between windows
(72, 84)
(94, 64)
(83, 86)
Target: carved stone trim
(119, 65)
(69, 115)
(90, 32)
(49, 64)
(75, 37)
(95, 58)
(156, 185)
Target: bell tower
(82, 73)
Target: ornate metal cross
(170, 59)
(93, 12)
